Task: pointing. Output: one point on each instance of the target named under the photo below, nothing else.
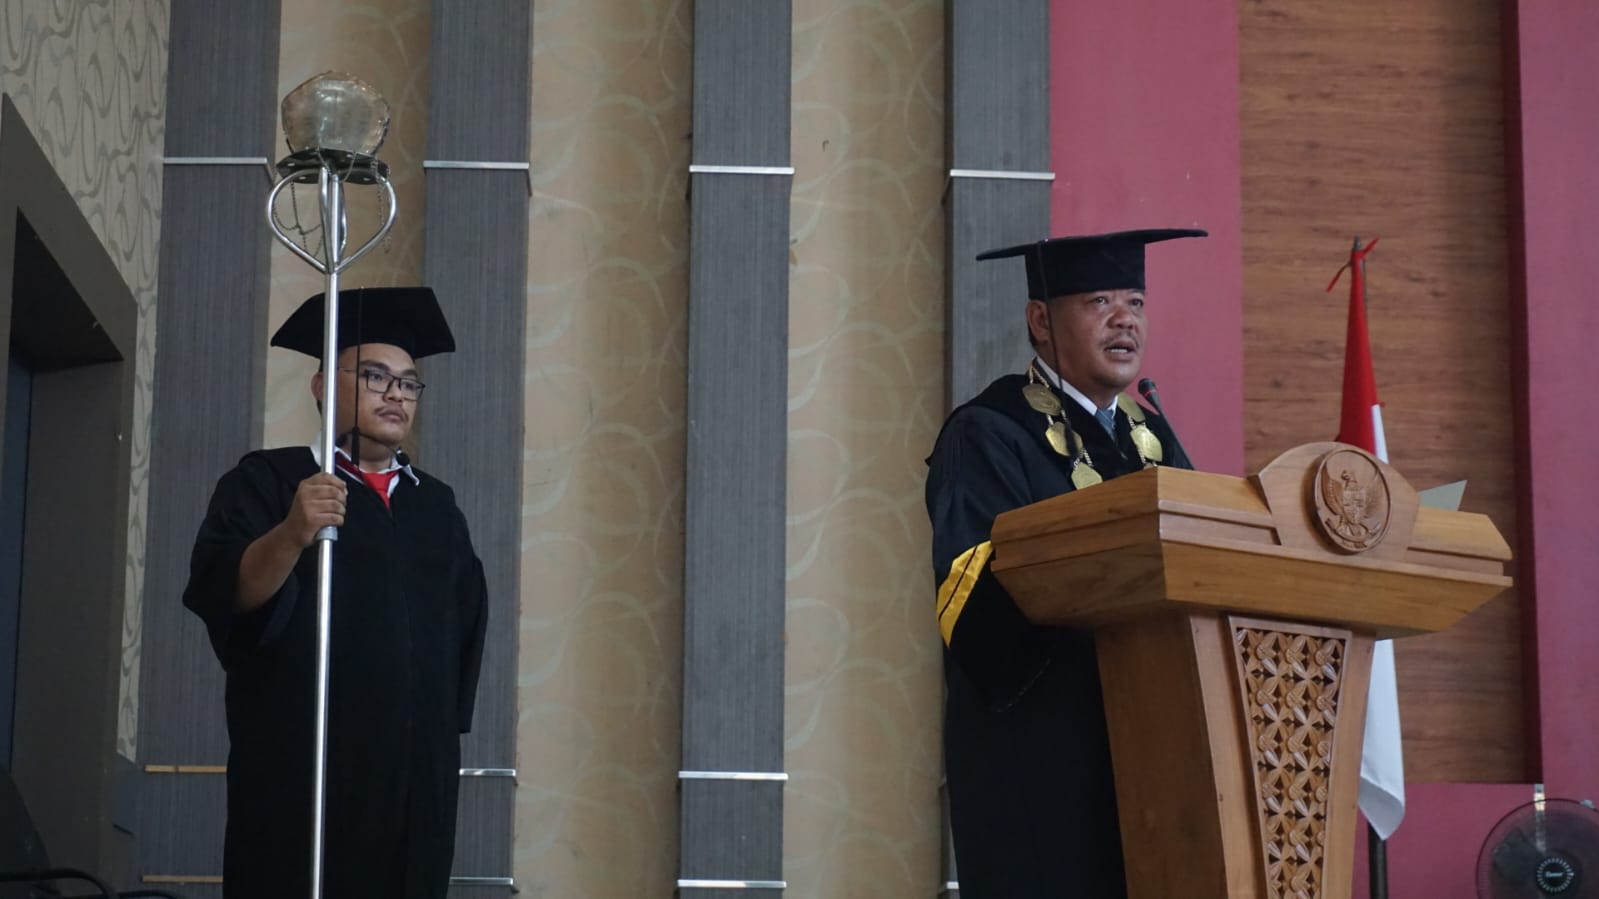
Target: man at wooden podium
(1026, 753)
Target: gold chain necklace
(1043, 400)
(1144, 440)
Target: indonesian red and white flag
(1382, 761)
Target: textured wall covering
(866, 390)
(90, 80)
(602, 565)
(384, 43)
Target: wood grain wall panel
(1379, 120)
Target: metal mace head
(334, 124)
(335, 112)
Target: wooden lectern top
(1325, 533)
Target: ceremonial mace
(334, 125)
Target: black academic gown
(1026, 752)
(407, 641)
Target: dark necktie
(1107, 420)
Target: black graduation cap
(1067, 265)
(406, 317)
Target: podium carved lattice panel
(1289, 683)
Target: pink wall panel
(1145, 134)
(1554, 132)
(1434, 854)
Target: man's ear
(316, 390)
(1038, 321)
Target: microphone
(1146, 389)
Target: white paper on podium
(1382, 759)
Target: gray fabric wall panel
(207, 398)
(999, 118)
(737, 445)
(733, 821)
(191, 842)
(480, 80)
(471, 437)
(206, 413)
(999, 85)
(481, 843)
(471, 429)
(987, 335)
(222, 74)
(999, 121)
(191, 890)
(737, 468)
(471, 421)
(210, 361)
(474, 217)
(210, 364)
(742, 71)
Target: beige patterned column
(866, 390)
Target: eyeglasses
(379, 381)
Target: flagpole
(1377, 862)
(1376, 846)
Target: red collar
(381, 482)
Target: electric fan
(1548, 848)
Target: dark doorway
(13, 505)
(68, 326)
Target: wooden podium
(1234, 621)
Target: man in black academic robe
(408, 619)
(1026, 750)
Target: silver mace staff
(334, 125)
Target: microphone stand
(1146, 389)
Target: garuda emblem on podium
(1351, 499)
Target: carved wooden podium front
(1234, 621)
